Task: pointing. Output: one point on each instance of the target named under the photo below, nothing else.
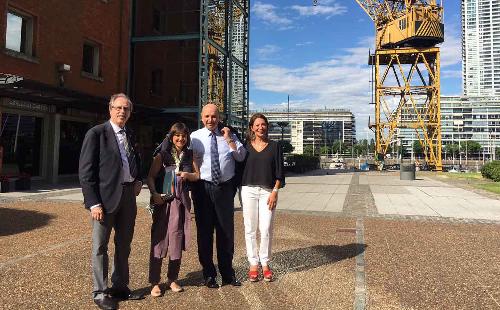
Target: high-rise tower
(481, 47)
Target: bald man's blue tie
(214, 157)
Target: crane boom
(415, 23)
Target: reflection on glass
(70, 143)
(21, 138)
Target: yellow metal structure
(407, 73)
(216, 32)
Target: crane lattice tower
(407, 73)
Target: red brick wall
(61, 28)
(178, 60)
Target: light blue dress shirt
(200, 144)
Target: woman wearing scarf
(168, 178)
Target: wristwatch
(276, 189)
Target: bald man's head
(210, 116)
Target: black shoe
(124, 294)
(233, 281)
(211, 283)
(106, 303)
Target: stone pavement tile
(423, 265)
(30, 193)
(45, 263)
(336, 203)
(392, 179)
(321, 179)
(384, 204)
(70, 197)
(319, 203)
(376, 189)
(449, 192)
(404, 204)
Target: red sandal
(268, 275)
(253, 275)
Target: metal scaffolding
(224, 78)
(180, 37)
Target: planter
(23, 184)
(4, 186)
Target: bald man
(215, 151)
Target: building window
(159, 18)
(90, 59)
(21, 137)
(156, 82)
(19, 34)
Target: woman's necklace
(259, 146)
(177, 158)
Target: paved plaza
(342, 240)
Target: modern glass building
(314, 128)
(466, 119)
(481, 47)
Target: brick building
(59, 63)
(185, 54)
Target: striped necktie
(129, 151)
(214, 156)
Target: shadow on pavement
(284, 262)
(13, 221)
(296, 260)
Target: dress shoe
(106, 303)
(211, 283)
(124, 294)
(233, 281)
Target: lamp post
(283, 124)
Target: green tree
(417, 148)
(338, 147)
(324, 150)
(361, 147)
(308, 150)
(451, 149)
(470, 147)
(286, 146)
(371, 146)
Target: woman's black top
(265, 167)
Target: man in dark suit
(109, 174)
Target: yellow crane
(407, 73)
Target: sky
(318, 56)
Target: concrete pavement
(342, 240)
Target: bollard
(407, 172)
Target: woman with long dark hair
(262, 178)
(168, 178)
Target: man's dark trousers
(122, 220)
(214, 209)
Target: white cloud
(267, 13)
(304, 43)
(451, 48)
(337, 82)
(453, 74)
(267, 51)
(321, 9)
